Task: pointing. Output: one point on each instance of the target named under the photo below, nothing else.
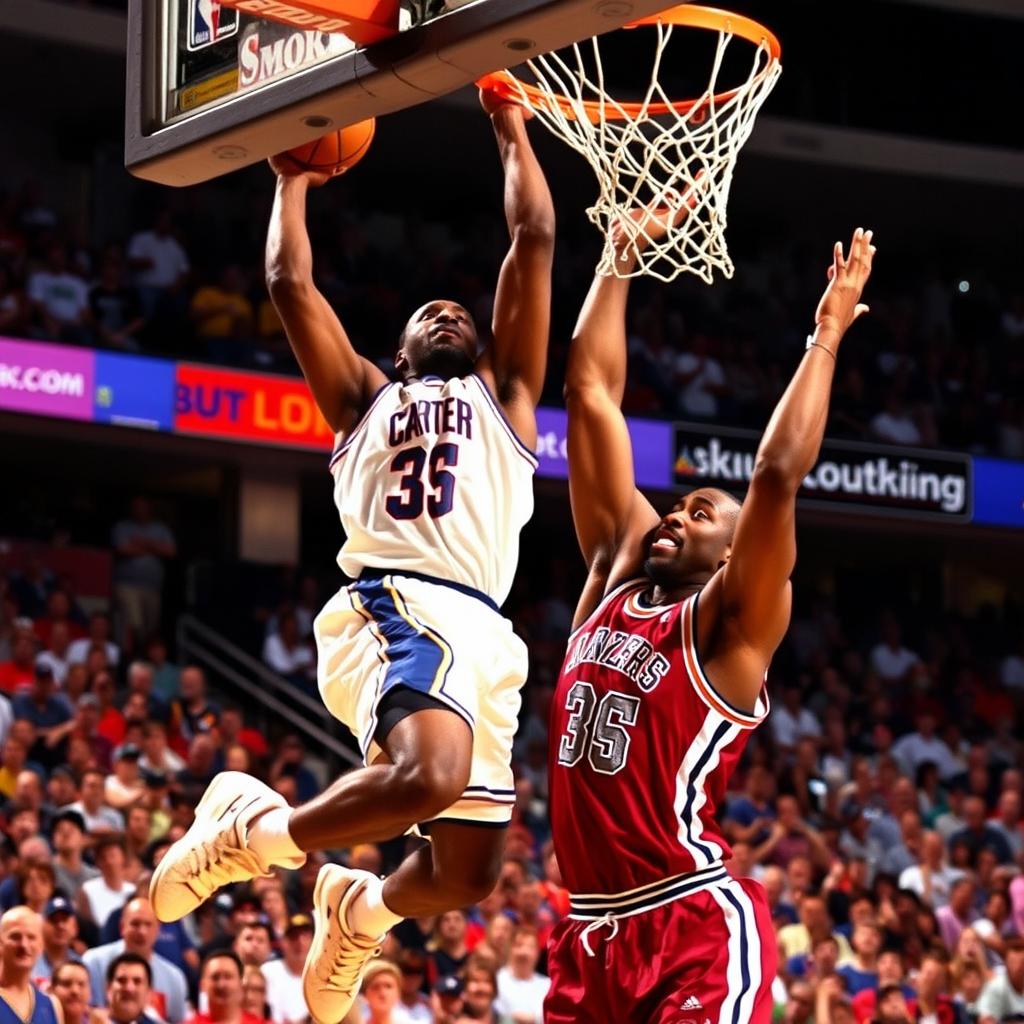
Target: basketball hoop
(651, 152)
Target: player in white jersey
(433, 482)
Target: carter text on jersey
(438, 416)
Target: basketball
(335, 153)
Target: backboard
(211, 88)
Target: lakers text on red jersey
(642, 750)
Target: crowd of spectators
(938, 363)
(880, 807)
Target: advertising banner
(879, 479)
(132, 391)
(999, 492)
(243, 406)
(652, 448)
(48, 380)
(155, 394)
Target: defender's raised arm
(610, 514)
(522, 303)
(753, 602)
(607, 507)
(342, 381)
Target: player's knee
(427, 789)
(471, 884)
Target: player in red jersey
(662, 682)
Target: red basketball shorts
(705, 958)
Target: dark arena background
(167, 527)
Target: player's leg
(583, 990)
(459, 867)
(722, 945)
(426, 770)
(243, 828)
(353, 910)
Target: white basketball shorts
(442, 639)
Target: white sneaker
(214, 851)
(338, 956)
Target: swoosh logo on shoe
(230, 807)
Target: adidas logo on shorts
(692, 1003)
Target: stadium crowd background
(940, 363)
(880, 804)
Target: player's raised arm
(522, 301)
(753, 604)
(610, 514)
(342, 381)
(607, 507)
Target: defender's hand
(285, 167)
(841, 305)
(653, 222)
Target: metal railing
(261, 686)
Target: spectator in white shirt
(60, 300)
(521, 990)
(1008, 820)
(890, 659)
(894, 423)
(996, 926)
(948, 824)
(159, 262)
(700, 380)
(99, 636)
(6, 717)
(57, 653)
(1011, 671)
(931, 878)
(413, 966)
(124, 786)
(157, 756)
(284, 976)
(916, 748)
(100, 897)
(285, 652)
(791, 722)
(1002, 998)
(98, 817)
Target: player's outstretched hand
(285, 167)
(653, 221)
(841, 305)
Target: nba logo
(209, 22)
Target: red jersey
(642, 749)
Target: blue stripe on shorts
(418, 657)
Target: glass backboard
(212, 88)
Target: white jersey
(434, 481)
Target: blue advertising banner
(277, 410)
(872, 478)
(133, 391)
(999, 492)
(652, 448)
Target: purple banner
(652, 448)
(49, 380)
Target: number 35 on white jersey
(433, 480)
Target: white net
(650, 153)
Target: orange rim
(508, 87)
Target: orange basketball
(337, 152)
